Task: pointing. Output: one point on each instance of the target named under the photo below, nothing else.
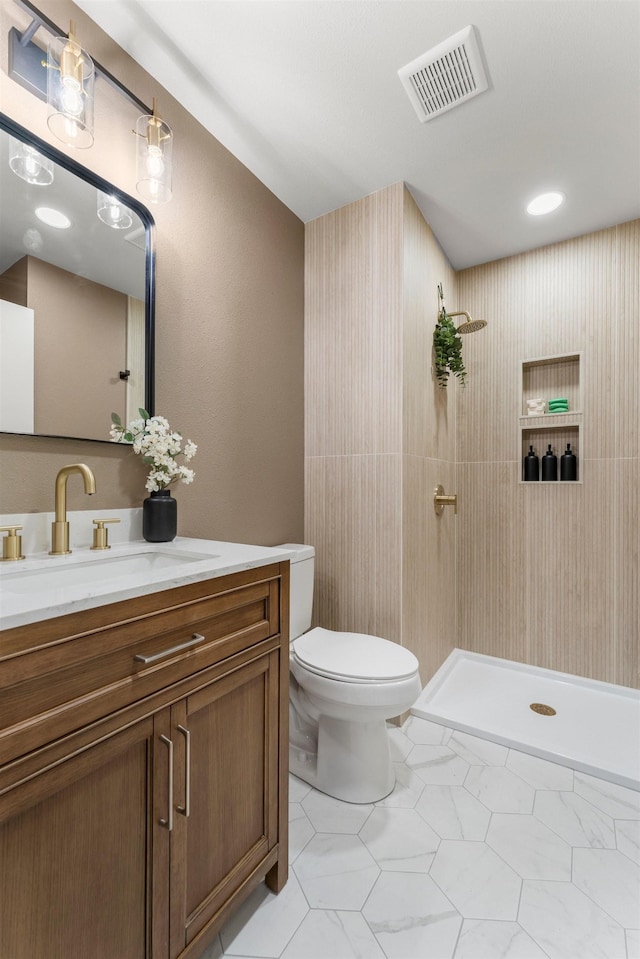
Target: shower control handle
(441, 499)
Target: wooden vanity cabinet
(135, 835)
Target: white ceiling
(306, 94)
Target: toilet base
(353, 761)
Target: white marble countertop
(42, 586)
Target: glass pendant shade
(28, 164)
(70, 82)
(154, 143)
(112, 212)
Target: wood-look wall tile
(490, 400)
(569, 573)
(627, 572)
(428, 564)
(353, 327)
(491, 556)
(624, 366)
(428, 411)
(353, 519)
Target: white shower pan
(595, 729)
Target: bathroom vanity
(143, 754)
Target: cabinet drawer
(87, 676)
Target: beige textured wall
(379, 434)
(229, 322)
(80, 347)
(549, 575)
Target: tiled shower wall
(379, 434)
(549, 574)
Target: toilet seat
(353, 657)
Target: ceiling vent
(445, 76)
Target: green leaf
(144, 414)
(115, 419)
(447, 351)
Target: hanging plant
(447, 347)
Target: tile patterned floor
(480, 852)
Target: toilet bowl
(343, 688)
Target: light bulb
(154, 163)
(32, 164)
(71, 98)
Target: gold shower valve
(441, 499)
(100, 534)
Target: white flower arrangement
(159, 445)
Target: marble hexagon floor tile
(411, 917)
(264, 923)
(539, 773)
(612, 881)
(336, 871)
(407, 790)
(476, 880)
(300, 830)
(399, 840)
(476, 751)
(617, 801)
(574, 819)
(566, 923)
(438, 764)
(453, 812)
(500, 789)
(454, 864)
(325, 932)
(482, 938)
(628, 838)
(333, 815)
(529, 847)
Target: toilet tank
(301, 590)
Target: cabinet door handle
(195, 639)
(187, 772)
(169, 821)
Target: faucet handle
(11, 543)
(100, 534)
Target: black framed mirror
(76, 301)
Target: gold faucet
(60, 528)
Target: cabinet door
(226, 793)
(75, 855)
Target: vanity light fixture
(154, 141)
(28, 164)
(545, 203)
(65, 79)
(70, 81)
(54, 218)
(112, 212)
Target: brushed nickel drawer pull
(169, 821)
(187, 772)
(195, 639)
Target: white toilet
(344, 686)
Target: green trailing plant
(447, 348)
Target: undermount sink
(60, 572)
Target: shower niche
(548, 378)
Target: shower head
(469, 325)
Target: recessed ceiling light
(53, 217)
(545, 203)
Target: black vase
(159, 517)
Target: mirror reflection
(76, 295)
